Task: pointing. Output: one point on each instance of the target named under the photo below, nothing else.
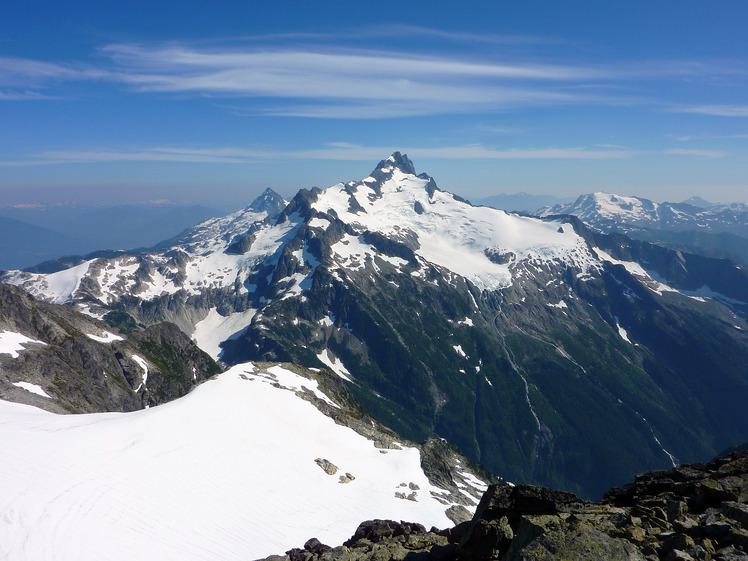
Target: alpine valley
(544, 350)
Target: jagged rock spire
(400, 161)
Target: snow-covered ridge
(227, 472)
(449, 232)
(606, 211)
(235, 266)
(195, 261)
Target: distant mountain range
(546, 350)
(605, 211)
(696, 225)
(31, 235)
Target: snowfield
(450, 233)
(226, 472)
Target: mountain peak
(399, 161)
(699, 202)
(269, 201)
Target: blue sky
(212, 102)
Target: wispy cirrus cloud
(394, 30)
(21, 72)
(16, 70)
(690, 137)
(9, 95)
(333, 151)
(329, 81)
(400, 31)
(340, 151)
(715, 110)
(319, 83)
(353, 84)
(695, 152)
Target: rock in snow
(693, 512)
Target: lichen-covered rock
(583, 544)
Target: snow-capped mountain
(608, 212)
(542, 349)
(247, 464)
(695, 225)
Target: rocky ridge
(74, 363)
(460, 481)
(693, 512)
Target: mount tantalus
(545, 351)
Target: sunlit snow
(227, 472)
(215, 328)
(450, 233)
(144, 366)
(13, 343)
(33, 388)
(335, 364)
(106, 338)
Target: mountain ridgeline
(695, 225)
(547, 352)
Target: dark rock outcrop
(84, 366)
(693, 512)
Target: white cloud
(333, 151)
(327, 81)
(22, 95)
(347, 84)
(688, 138)
(694, 152)
(716, 110)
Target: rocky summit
(692, 512)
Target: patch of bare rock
(693, 512)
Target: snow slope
(449, 232)
(13, 343)
(226, 472)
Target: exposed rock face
(327, 466)
(694, 512)
(83, 366)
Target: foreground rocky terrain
(693, 512)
